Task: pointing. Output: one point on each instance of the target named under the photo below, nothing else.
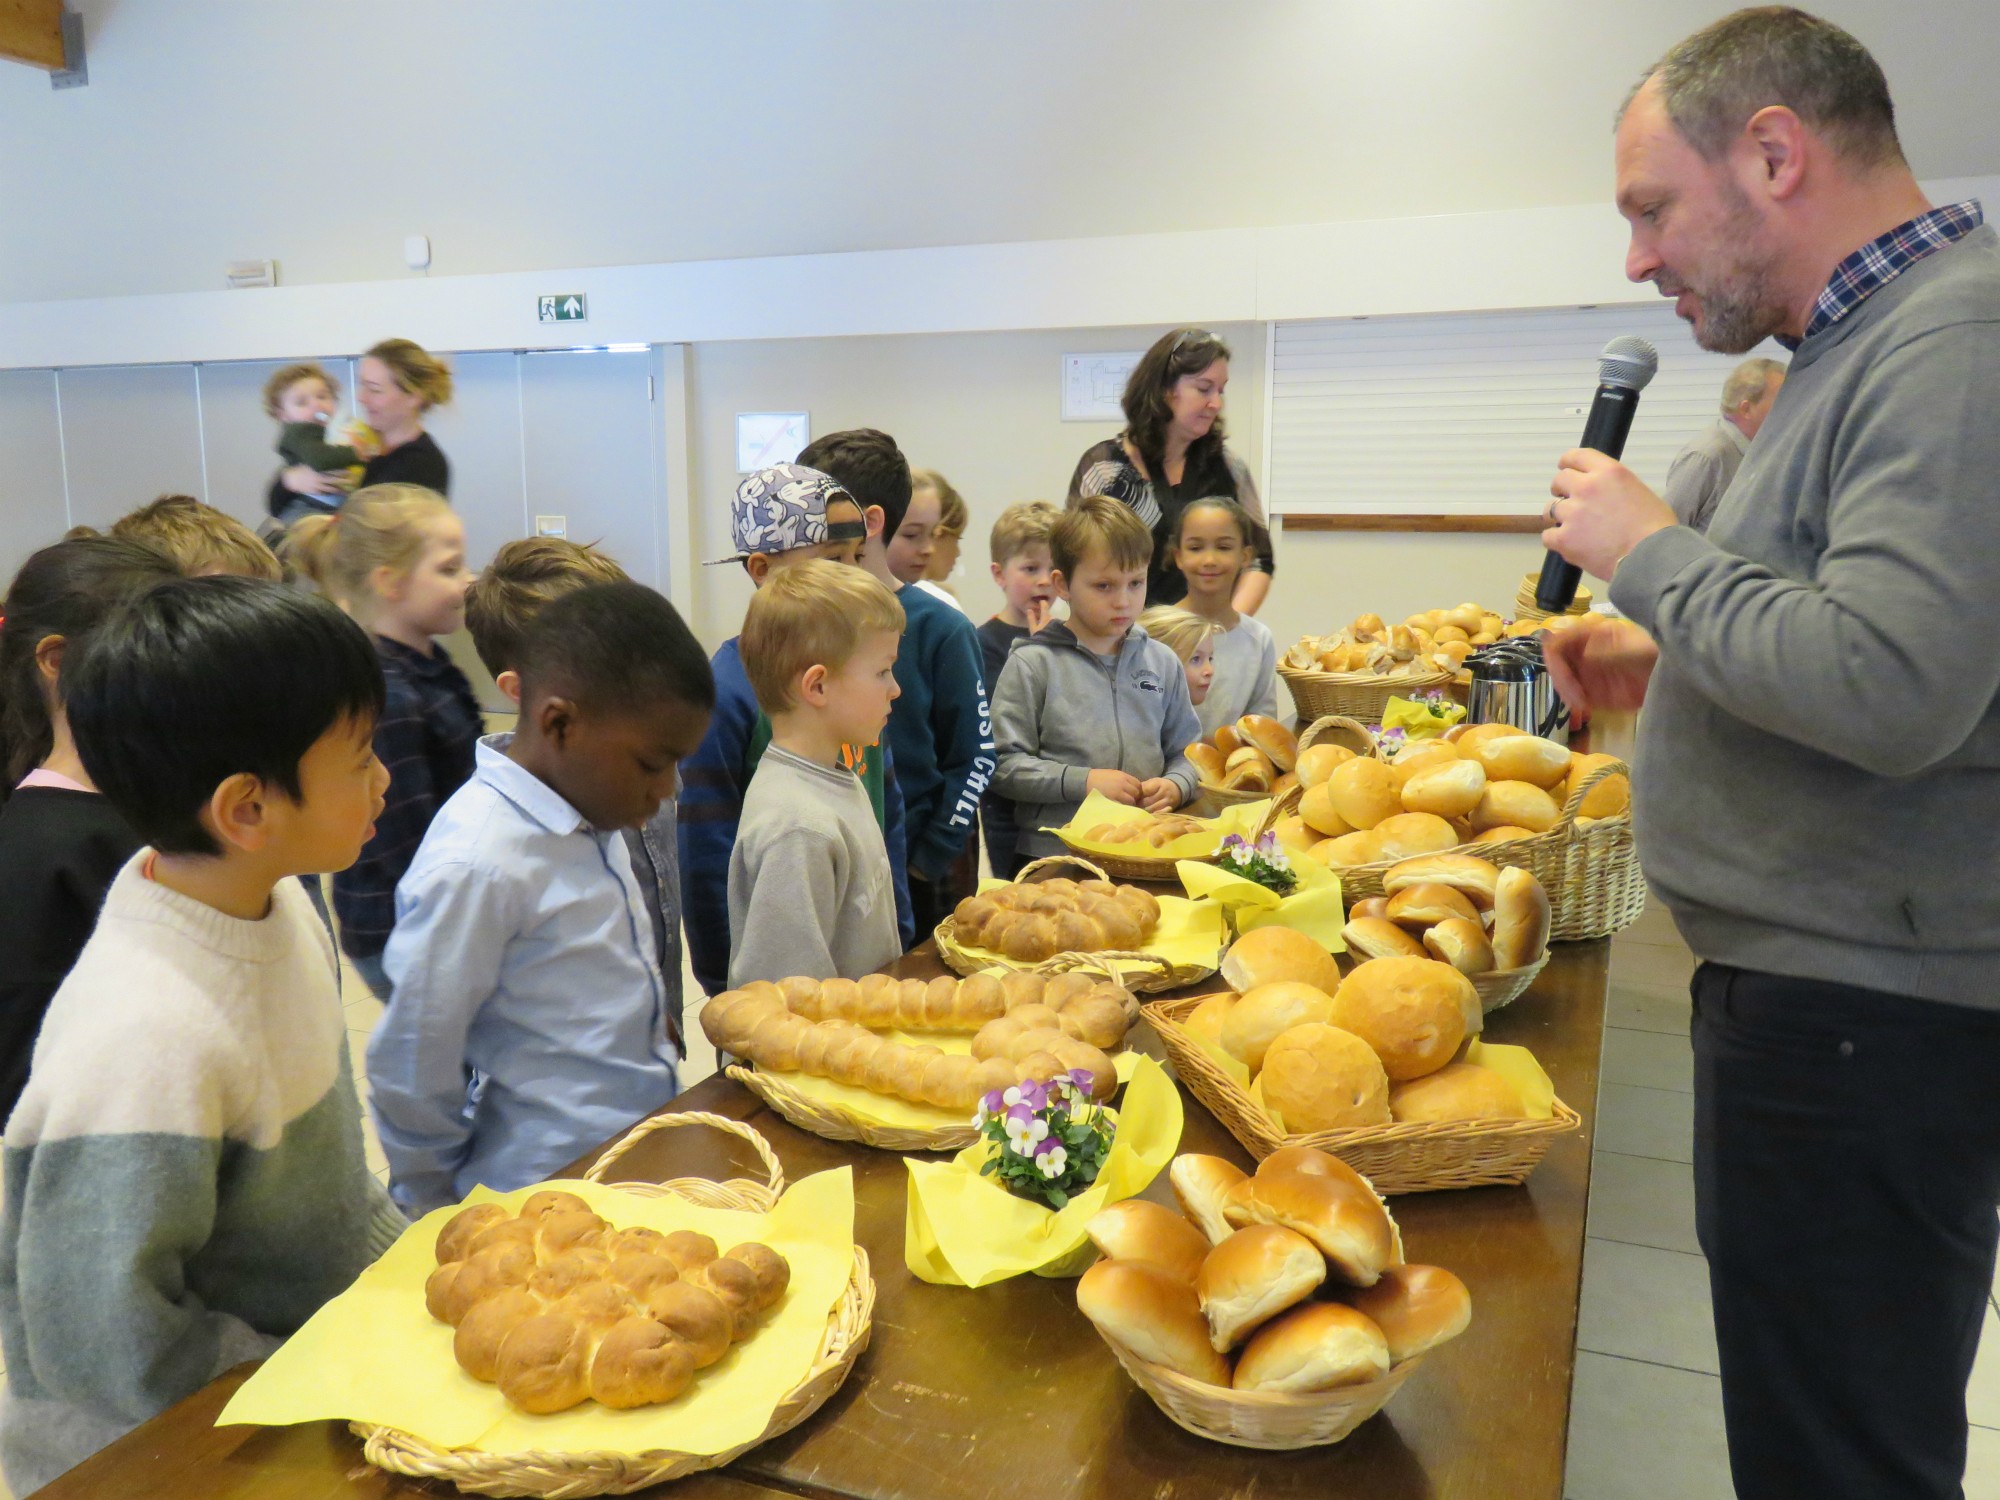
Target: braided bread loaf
(1033, 921)
(1158, 832)
(555, 1306)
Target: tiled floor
(1646, 1405)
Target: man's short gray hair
(1749, 381)
(1713, 82)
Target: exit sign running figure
(564, 307)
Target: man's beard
(1739, 308)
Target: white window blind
(1466, 414)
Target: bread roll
(1227, 740)
(1475, 735)
(1462, 944)
(1317, 812)
(1417, 907)
(1378, 938)
(1314, 765)
(1370, 906)
(1249, 770)
(1469, 875)
(544, 1363)
(1154, 1316)
(1520, 919)
(1412, 1011)
(485, 1327)
(1253, 1276)
(1269, 955)
(1406, 835)
(1457, 1091)
(1317, 1348)
(1359, 848)
(696, 1316)
(1609, 798)
(1366, 627)
(1416, 1307)
(454, 1241)
(1209, 763)
(1295, 836)
(1363, 793)
(1517, 805)
(1446, 635)
(639, 1363)
(1149, 1235)
(1318, 1077)
(1449, 788)
(1271, 737)
(1523, 757)
(1348, 1223)
(1258, 1017)
(1506, 833)
(1201, 1184)
(1205, 1020)
(1313, 1162)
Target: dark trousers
(1847, 1176)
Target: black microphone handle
(1606, 428)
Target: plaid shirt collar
(1883, 259)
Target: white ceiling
(522, 134)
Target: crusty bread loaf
(1457, 1091)
(1318, 1077)
(1205, 1020)
(1416, 1308)
(1251, 1277)
(1258, 1017)
(1268, 955)
(1153, 1315)
(1201, 1185)
(1149, 1234)
(1413, 1011)
(1320, 1347)
(1520, 919)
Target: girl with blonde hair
(1189, 636)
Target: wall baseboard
(1513, 525)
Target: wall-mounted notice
(1092, 384)
(764, 438)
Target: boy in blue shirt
(781, 517)
(528, 1016)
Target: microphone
(1624, 369)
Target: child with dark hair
(940, 729)
(185, 1183)
(61, 842)
(1213, 542)
(528, 1017)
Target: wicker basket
(836, 1124)
(1261, 1419)
(1210, 800)
(1498, 987)
(1525, 607)
(1134, 866)
(1358, 695)
(1165, 973)
(1396, 1158)
(570, 1476)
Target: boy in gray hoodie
(1094, 705)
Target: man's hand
(1600, 512)
(1160, 795)
(1119, 786)
(1600, 663)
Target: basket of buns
(901, 1064)
(1356, 671)
(561, 1310)
(1278, 1311)
(1247, 761)
(1381, 1066)
(1486, 789)
(1053, 924)
(1489, 923)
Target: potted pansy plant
(1262, 862)
(1050, 1139)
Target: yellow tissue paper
(962, 1229)
(1313, 907)
(374, 1354)
(1098, 809)
(1518, 1066)
(1190, 935)
(1420, 720)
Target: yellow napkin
(1518, 1066)
(1098, 808)
(1418, 720)
(962, 1229)
(373, 1354)
(1190, 935)
(1313, 907)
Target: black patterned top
(1106, 469)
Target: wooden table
(1007, 1392)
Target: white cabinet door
(591, 444)
(33, 512)
(480, 433)
(130, 433)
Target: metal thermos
(1511, 685)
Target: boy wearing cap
(781, 516)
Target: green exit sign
(564, 307)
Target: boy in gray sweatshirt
(810, 890)
(1094, 705)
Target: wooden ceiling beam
(31, 32)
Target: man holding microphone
(1818, 788)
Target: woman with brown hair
(1171, 454)
(399, 382)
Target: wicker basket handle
(1574, 806)
(1284, 806)
(1063, 963)
(1351, 734)
(1036, 866)
(774, 1175)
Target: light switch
(551, 525)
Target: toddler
(302, 399)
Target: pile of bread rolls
(556, 1307)
(1456, 908)
(1154, 832)
(1437, 639)
(1025, 1026)
(1255, 754)
(1291, 1280)
(1478, 784)
(1328, 1052)
(1032, 921)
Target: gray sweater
(1060, 712)
(809, 885)
(1818, 785)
